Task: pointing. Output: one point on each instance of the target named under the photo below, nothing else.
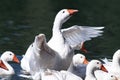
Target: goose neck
(57, 25)
(71, 67)
(90, 73)
(10, 69)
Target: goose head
(93, 66)
(2, 65)
(9, 56)
(63, 15)
(79, 59)
(110, 77)
(98, 65)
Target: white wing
(77, 34)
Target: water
(21, 20)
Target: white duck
(64, 41)
(114, 66)
(5, 57)
(92, 67)
(78, 65)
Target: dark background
(21, 20)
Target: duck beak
(2, 65)
(83, 48)
(15, 59)
(72, 11)
(103, 68)
(85, 61)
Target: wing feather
(77, 34)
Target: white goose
(38, 48)
(42, 56)
(77, 68)
(5, 57)
(25, 61)
(92, 67)
(78, 65)
(101, 75)
(114, 66)
(64, 41)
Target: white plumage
(61, 45)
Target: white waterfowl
(51, 75)
(101, 75)
(63, 42)
(110, 77)
(59, 75)
(25, 61)
(42, 56)
(5, 57)
(78, 65)
(92, 67)
(69, 76)
(114, 66)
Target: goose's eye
(63, 11)
(97, 62)
(111, 75)
(81, 57)
(10, 54)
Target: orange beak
(72, 11)
(83, 48)
(15, 59)
(103, 68)
(85, 61)
(2, 65)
